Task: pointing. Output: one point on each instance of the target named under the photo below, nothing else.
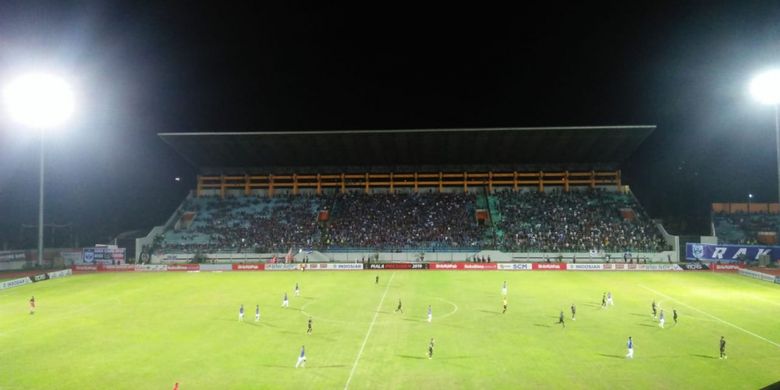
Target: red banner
(549, 266)
(477, 266)
(725, 267)
(450, 266)
(248, 267)
(84, 268)
(116, 268)
(183, 267)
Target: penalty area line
(712, 316)
(370, 327)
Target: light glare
(766, 87)
(39, 100)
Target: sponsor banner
(451, 266)
(514, 266)
(548, 266)
(585, 267)
(714, 252)
(183, 267)
(725, 267)
(38, 278)
(343, 266)
(116, 268)
(215, 267)
(398, 266)
(694, 266)
(757, 275)
(281, 267)
(249, 267)
(14, 283)
(60, 274)
(477, 266)
(150, 268)
(318, 266)
(8, 256)
(84, 268)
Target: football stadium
(474, 258)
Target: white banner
(757, 275)
(15, 283)
(281, 267)
(150, 268)
(584, 267)
(60, 274)
(514, 266)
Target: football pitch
(151, 330)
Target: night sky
(142, 68)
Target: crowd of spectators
(552, 221)
(575, 221)
(743, 228)
(398, 221)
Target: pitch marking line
(370, 327)
(712, 316)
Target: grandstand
(746, 223)
(454, 194)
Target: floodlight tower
(39, 102)
(766, 89)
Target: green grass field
(150, 330)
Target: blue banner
(726, 253)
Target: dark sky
(146, 68)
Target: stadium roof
(574, 148)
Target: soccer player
(573, 312)
(504, 306)
(630, 346)
(723, 348)
(661, 319)
(297, 290)
(603, 300)
(430, 313)
(503, 289)
(32, 305)
(399, 307)
(377, 280)
(308, 331)
(257, 313)
(285, 302)
(560, 319)
(654, 308)
(241, 312)
(302, 357)
(674, 315)
(609, 299)
(430, 349)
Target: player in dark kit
(723, 348)
(308, 331)
(32, 305)
(674, 315)
(503, 312)
(399, 307)
(560, 319)
(654, 309)
(573, 312)
(430, 349)
(377, 280)
(604, 300)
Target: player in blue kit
(285, 302)
(630, 346)
(661, 319)
(257, 313)
(301, 358)
(430, 313)
(503, 289)
(241, 312)
(297, 290)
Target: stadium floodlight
(39, 101)
(765, 88)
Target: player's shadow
(331, 366)
(490, 311)
(382, 312)
(703, 356)
(611, 356)
(648, 325)
(592, 304)
(414, 320)
(543, 325)
(638, 314)
(412, 357)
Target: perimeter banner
(712, 252)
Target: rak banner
(712, 252)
